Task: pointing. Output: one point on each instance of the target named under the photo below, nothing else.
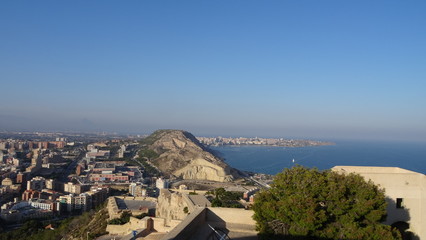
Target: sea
(272, 160)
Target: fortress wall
(188, 226)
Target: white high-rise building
(137, 190)
(162, 183)
(68, 201)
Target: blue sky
(308, 69)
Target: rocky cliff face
(179, 153)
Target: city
(278, 142)
(55, 176)
(212, 120)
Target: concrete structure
(75, 188)
(42, 204)
(171, 206)
(236, 223)
(98, 195)
(113, 171)
(28, 194)
(195, 201)
(133, 225)
(36, 183)
(135, 205)
(23, 210)
(84, 201)
(109, 176)
(68, 202)
(137, 190)
(95, 153)
(36, 162)
(247, 195)
(21, 177)
(7, 182)
(161, 183)
(121, 151)
(406, 195)
(50, 184)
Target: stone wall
(232, 218)
(127, 228)
(238, 223)
(188, 226)
(113, 210)
(171, 206)
(160, 224)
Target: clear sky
(308, 69)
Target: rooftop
(370, 169)
(199, 200)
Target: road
(261, 184)
(71, 167)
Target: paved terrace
(137, 205)
(134, 204)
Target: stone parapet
(237, 223)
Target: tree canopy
(307, 203)
(225, 198)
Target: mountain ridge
(178, 153)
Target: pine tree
(307, 203)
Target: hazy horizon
(320, 70)
(202, 133)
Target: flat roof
(373, 169)
(199, 200)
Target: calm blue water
(272, 160)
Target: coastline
(265, 145)
(272, 160)
(272, 142)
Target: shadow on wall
(399, 216)
(230, 224)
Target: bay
(272, 160)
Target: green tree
(307, 203)
(123, 219)
(185, 210)
(227, 199)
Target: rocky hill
(180, 154)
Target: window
(399, 203)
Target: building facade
(405, 195)
(137, 190)
(36, 183)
